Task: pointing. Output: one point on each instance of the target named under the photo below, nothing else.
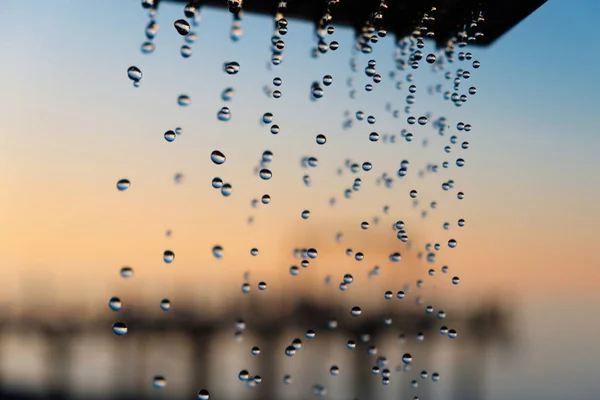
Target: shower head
(401, 17)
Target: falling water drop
(182, 27)
(217, 157)
(115, 304)
(123, 185)
(120, 329)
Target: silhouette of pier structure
(271, 327)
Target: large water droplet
(159, 382)
(217, 157)
(224, 114)
(186, 51)
(134, 74)
(123, 185)
(119, 328)
(114, 303)
(228, 94)
(226, 189)
(265, 174)
(168, 256)
(170, 136)
(126, 272)
(217, 251)
(182, 27)
(232, 67)
(165, 304)
(184, 100)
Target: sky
(72, 125)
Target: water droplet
(217, 157)
(274, 129)
(182, 27)
(147, 48)
(191, 38)
(455, 280)
(287, 379)
(232, 67)
(226, 189)
(126, 272)
(243, 375)
(317, 91)
(168, 256)
(184, 100)
(334, 370)
(151, 30)
(430, 58)
(334, 45)
(246, 288)
(305, 214)
(310, 334)
(170, 136)
(119, 328)
(388, 295)
(400, 294)
(359, 256)
(422, 120)
(123, 185)
(327, 80)
(265, 199)
(262, 286)
(203, 394)
(217, 183)
(224, 114)
(228, 94)
(217, 251)
(413, 194)
(165, 304)
(134, 74)
(255, 351)
(321, 139)
(407, 358)
(290, 351)
(374, 136)
(265, 174)
(460, 162)
(186, 51)
(355, 311)
(267, 118)
(267, 156)
(114, 303)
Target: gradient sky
(72, 125)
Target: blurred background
(72, 125)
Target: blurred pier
(81, 358)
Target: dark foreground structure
(401, 16)
(201, 338)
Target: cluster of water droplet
(409, 55)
